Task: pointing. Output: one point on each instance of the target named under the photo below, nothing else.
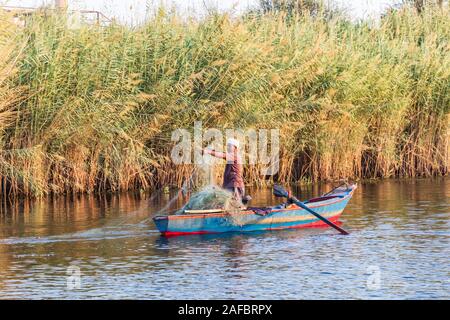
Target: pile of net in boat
(212, 197)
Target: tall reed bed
(92, 108)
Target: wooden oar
(279, 191)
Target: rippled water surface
(398, 249)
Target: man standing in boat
(233, 175)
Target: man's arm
(215, 153)
(224, 155)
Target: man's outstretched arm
(215, 153)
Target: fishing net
(210, 197)
(213, 197)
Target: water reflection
(400, 228)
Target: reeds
(92, 109)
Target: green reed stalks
(92, 108)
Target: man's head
(232, 145)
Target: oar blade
(279, 191)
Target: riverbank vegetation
(92, 108)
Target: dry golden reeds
(92, 109)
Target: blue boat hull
(330, 206)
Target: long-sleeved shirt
(233, 174)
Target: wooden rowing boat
(283, 216)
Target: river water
(107, 247)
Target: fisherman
(232, 177)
